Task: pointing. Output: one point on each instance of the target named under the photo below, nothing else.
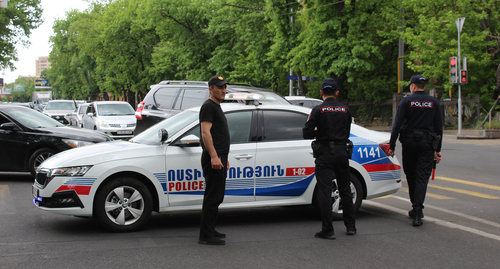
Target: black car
(28, 137)
(168, 98)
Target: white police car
(122, 182)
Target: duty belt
(420, 135)
(334, 142)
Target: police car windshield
(173, 125)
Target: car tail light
(138, 112)
(384, 147)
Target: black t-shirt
(333, 122)
(212, 112)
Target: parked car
(76, 117)
(168, 98)
(25, 104)
(304, 101)
(122, 182)
(28, 137)
(58, 109)
(115, 118)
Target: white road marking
(494, 224)
(437, 221)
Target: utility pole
(460, 24)
(290, 93)
(401, 54)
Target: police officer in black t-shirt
(330, 124)
(214, 162)
(419, 125)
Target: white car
(114, 118)
(303, 101)
(122, 182)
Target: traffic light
(453, 70)
(463, 76)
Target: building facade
(41, 64)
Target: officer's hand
(390, 153)
(217, 163)
(438, 157)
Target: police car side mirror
(162, 135)
(188, 141)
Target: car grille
(119, 125)
(60, 119)
(41, 178)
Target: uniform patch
(422, 104)
(333, 109)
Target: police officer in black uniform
(330, 124)
(419, 125)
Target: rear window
(165, 97)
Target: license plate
(34, 192)
(124, 132)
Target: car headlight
(75, 171)
(77, 143)
(103, 124)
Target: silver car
(76, 118)
(115, 118)
(58, 109)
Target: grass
(494, 125)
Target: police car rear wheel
(357, 197)
(123, 205)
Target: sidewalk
(466, 134)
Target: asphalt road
(461, 229)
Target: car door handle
(243, 157)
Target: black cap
(217, 80)
(329, 85)
(417, 79)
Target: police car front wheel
(123, 204)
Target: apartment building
(41, 64)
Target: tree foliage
(16, 24)
(124, 46)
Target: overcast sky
(52, 9)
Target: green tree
(432, 38)
(16, 24)
(350, 41)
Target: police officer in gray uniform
(419, 125)
(330, 124)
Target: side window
(239, 124)
(165, 97)
(283, 125)
(316, 103)
(3, 119)
(191, 97)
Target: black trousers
(418, 159)
(215, 186)
(329, 166)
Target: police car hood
(101, 153)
